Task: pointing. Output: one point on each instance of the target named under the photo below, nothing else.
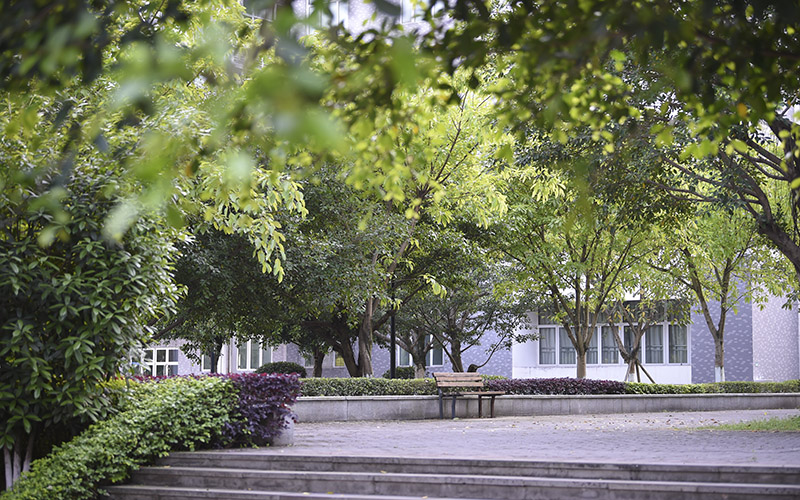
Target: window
(678, 344)
(627, 341)
(547, 346)
(654, 344)
(591, 353)
(260, 9)
(339, 13)
(160, 362)
(609, 345)
(566, 353)
(308, 361)
(251, 354)
(411, 10)
(435, 356)
(338, 361)
(403, 357)
(205, 363)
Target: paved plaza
(669, 437)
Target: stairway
(250, 474)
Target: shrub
(367, 387)
(734, 387)
(401, 372)
(156, 417)
(175, 414)
(556, 386)
(282, 367)
(262, 407)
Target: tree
(71, 309)
(720, 257)
(472, 307)
(227, 295)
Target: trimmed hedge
(555, 386)
(401, 372)
(282, 367)
(717, 387)
(157, 416)
(367, 387)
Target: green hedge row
(719, 387)
(427, 386)
(367, 387)
(155, 419)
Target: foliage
(717, 387)
(554, 386)
(227, 294)
(282, 367)
(72, 307)
(401, 372)
(157, 418)
(560, 386)
(367, 387)
(261, 409)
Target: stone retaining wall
(350, 408)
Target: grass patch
(791, 424)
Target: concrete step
(449, 485)
(252, 460)
(145, 492)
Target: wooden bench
(449, 385)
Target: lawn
(791, 424)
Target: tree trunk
(630, 373)
(345, 350)
(581, 364)
(455, 355)
(8, 462)
(419, 369)
(719, 360)
(365, 341)
(319, 357)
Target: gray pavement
(669, 437)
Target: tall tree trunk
(9, 466)
(455, 354)
(345, 350)
(719, 360)
(319, 357)
(365, 341)
(581, 363)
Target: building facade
(761, 344)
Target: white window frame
(548, 350)
(266, 14)
(248, 355)
(613, 346)
(599, 343)
(685, 346)
(429, 356)
(154, 364)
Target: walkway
(671, 437)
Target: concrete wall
(326, 409)
(775, 341)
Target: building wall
(738, 340)
(775, 339)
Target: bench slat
(459, 384)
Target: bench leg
(492, 412)
(453, 411)
(480, 407)
(441, 407)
